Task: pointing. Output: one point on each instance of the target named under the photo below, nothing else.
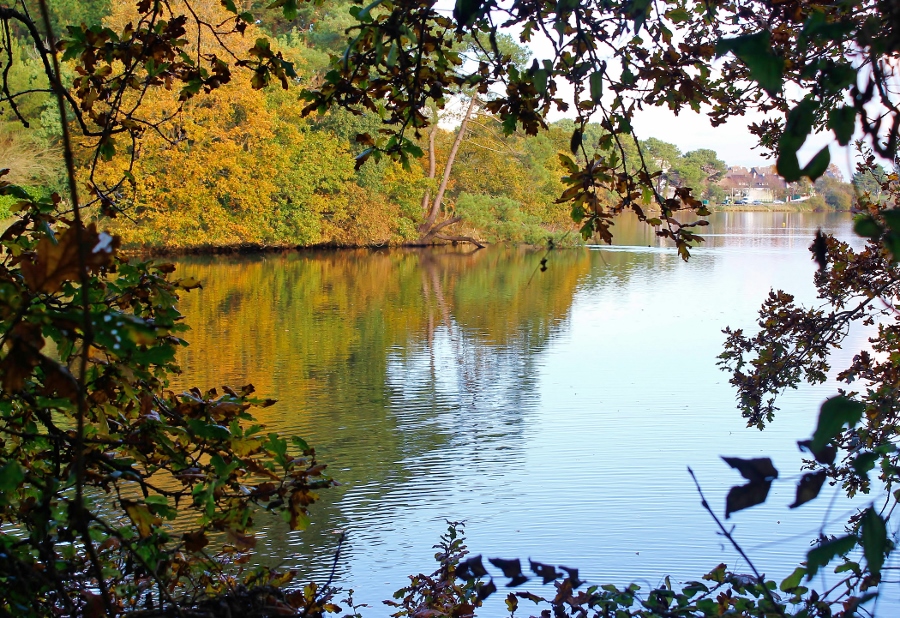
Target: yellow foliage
(239, 166)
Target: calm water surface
(555, 412)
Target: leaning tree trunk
(432, 168)
(430, 230)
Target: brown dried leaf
(141, 516)
(194, 541)
(241, 541)
(54, 264)
(24, 355)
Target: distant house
(754, 184)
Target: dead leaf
(241, 541)
(55, 263)
(141, 516)
(194, 541)
(24, 355)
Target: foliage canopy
(808, 66)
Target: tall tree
(617, 57)
(430, 229)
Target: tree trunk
(428, 228)
(432, 167)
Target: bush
(97, 455)
(501, 219)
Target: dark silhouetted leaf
(596, 82)
(467, 11)
(760, 473)
(833, 416)
(573, 576)
(819, 163)
(823, 456)
(575, 142)
(760, 469)
(892, 218)
(10, 476)
(741, 497)
(545, 571)
(891, 241)
(820, 250)
(874, 540)
(195, 541)
(823, 554)
(864, 462)
(639, 11)
(788, 165)
(842, 120)
(485, 590)
(866, 226)
(539, 77)
(755, 51)
(798, 126)
(471, 568)
(809, 487)
(510, 568)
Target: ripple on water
(555, 412)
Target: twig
(334, 564)
(81, 522)
(759, 578)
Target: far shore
(803, 206)
(175, 252)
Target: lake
(554, 412)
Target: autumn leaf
(54, 263)
(23, 356)
(241, 541)
(194, 541)
(141, 516)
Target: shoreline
(256, 249)
(786, 207)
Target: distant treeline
(243, 167)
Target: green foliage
(500, 219)
(404, 59)
(446, 592)
(837, 195)
(91, 436)
(869, 180)
(64, 13)
(460, 585)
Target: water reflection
(404, 368)
(554, 411)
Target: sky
(732, 141)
